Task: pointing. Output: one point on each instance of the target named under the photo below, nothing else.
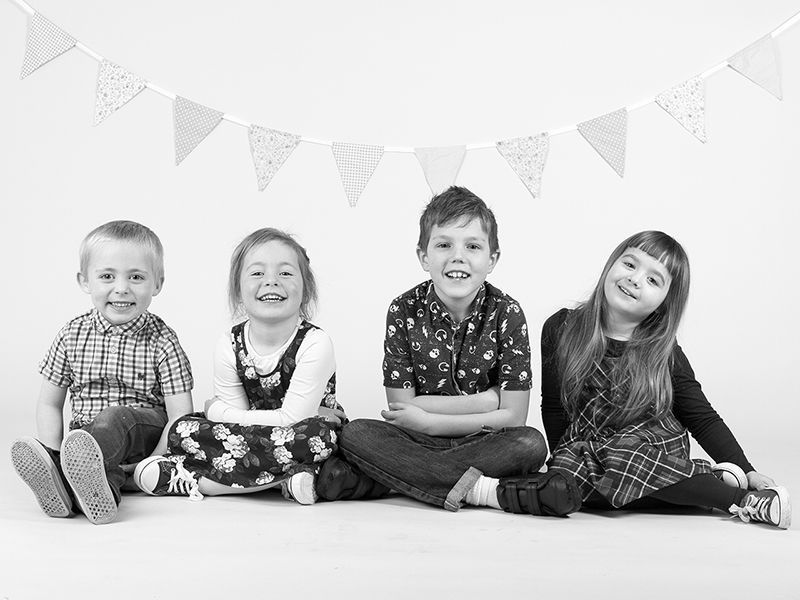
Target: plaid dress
(627, 464)
(251, 455)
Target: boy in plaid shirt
(127, 375)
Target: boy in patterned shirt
(457, 375)
(126, 373)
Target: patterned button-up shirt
(133, 364)
(426, 350)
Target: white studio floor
(265, 546)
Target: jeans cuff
(456, 496)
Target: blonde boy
(126, 373)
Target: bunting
(45, 42)
(193, 122)
(527, 155)
(356, 164)
(759, 64)
(270, 149)
(115, 87)
(686, 103)
(607, 135)
(440, 165)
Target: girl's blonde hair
(642, 374)
(262, 236)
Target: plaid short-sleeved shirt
(425, 350)
(133, 364)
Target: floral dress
(251, 455)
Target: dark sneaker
(300, 488)
(82, 462)
(341, 480)
(547, 494)
(38, 469)
(160, 476)
(770, 505)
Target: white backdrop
(406, 74)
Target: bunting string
(526, 155)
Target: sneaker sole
(786, 507)
(37, 469)
(301, 487)
(82, 461)
(730, 474)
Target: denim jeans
(439, 470)
(126, 435)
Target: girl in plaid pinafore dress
(619, 397)
(274, 418)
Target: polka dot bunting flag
(757, 62)
(45, 42)
(440, 165)
(356, 164)
(607, 135)
(193, 122)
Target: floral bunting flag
(193, 122)
(115, 86)
(686, 103)
(758, 63)
(270, 149)
(527, 155)
(440, 165)
(45, 42)
(356, 164)
(607, 135)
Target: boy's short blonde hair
(124, 231)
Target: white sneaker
(731, 474)
(300, 488)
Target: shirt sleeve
(693, 410)
(515, 350)
(314, 367)
(554, 417)
(398, 366)
(55, 366)
(174, 369)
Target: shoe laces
(183, 482)
(756, 508)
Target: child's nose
(121, 286)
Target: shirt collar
(440, 312)
(103, 325)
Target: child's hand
(331, 415)
(208, 404)
(757, 481)
(406, 415)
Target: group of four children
(618, 395)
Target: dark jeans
(439, 470)
(125, 435)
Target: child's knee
(532, 444)
(359, 432)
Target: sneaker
(38, 469)
(159, 476)
(770, 505)
(731, 474)
(300, 488)
(552, 494)
(341, 480)
(82, 462)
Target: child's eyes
(106, 276)
(653, 281)
(286, 274)
(137, 277)
(628, 264)
(474, 247)
(442, 245)
(256, 274)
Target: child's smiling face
(121, 280)
(271, 283)
(458, 258)
(636, 285)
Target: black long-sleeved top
(689, 403)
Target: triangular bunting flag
(356, 164)
(193, 122)
(45, 42)
(686, 102)
(758, 63)
(440, 165)
(115, 86)
(270, 150)
(527, 156)
(607, 135)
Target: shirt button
(113, 350)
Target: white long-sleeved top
(315, 363)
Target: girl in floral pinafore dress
(619, 397)
(274, 418)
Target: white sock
(484, 492)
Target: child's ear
(159, 285)
(423, 259)
(493, 261)
(83, 282)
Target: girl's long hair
(641, 375)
